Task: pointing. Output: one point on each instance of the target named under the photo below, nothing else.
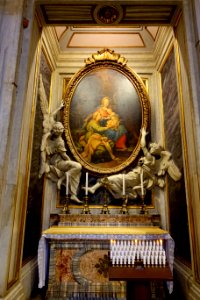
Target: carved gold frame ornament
(106, 58)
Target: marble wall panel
(176, 190)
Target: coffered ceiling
(98, 37)
(117, 24)
(108, 13)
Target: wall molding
(189, 287)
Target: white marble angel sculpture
(55, 163)
(153, 166)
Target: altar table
(80, 236)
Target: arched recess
(190, 191)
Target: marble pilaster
(15, 43)
(10, 42)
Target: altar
(74, 261)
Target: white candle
(86, 184)
(67, 184)
(142, 182)
(164, 260)
(123, 190)
(113, 260)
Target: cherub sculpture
(153, 166)
(55, 163)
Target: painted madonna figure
(153, 166)
(55, 163)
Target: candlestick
(123, 188)
(124, 209)
(142, 182)
(86, 183)
(66, 205)
(67, 184)
(86, 210)
(105, 209)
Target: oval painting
(106, 106)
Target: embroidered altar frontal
(79, 269)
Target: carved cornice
(163, 46)
(106, 54)
(50, 46)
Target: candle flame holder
(86, 210)
(124, 208)
(66, 205)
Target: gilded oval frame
(105, 74)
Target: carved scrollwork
(106, 54)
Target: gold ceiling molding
(105, 40)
